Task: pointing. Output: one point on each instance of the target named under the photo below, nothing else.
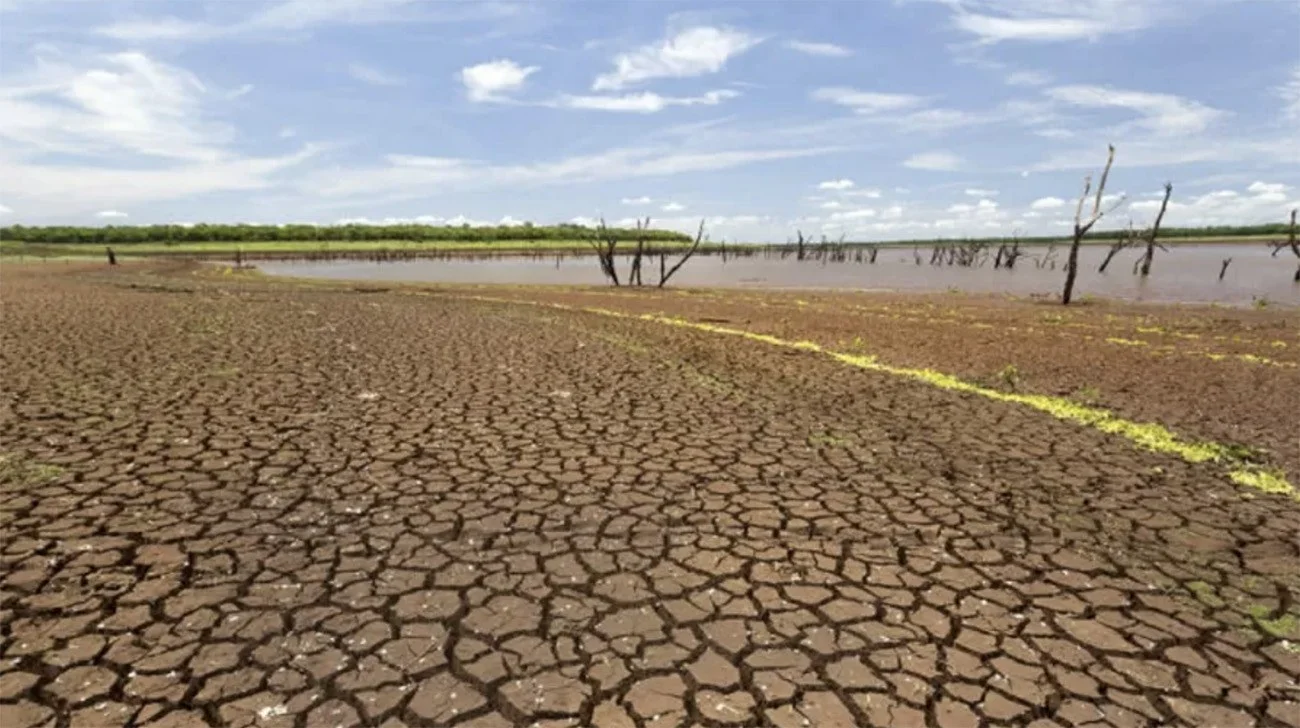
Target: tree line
(126, 234)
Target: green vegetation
(165, 236)
(19, 470)
(1286, 625)
(1010, 377)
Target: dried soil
(231, 501)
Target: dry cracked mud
(249, 503)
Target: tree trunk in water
(1072, 267)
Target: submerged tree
(1150, 252)
(1292, 244)
(1081, 228)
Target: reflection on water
(1187, 273)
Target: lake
(1186, 274)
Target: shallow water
(1187, 273)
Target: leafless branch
(699, 236)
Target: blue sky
(914, 118)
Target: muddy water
(1188, 273)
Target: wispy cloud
(111, 103)
(934, 161)
(305, 15)
(1159, 113)
(829, 50)
(642, 200)
(836, 184)
(1047, 203)
(673, 207)
(646, 102)
(494, 80)
(407, 176)
(694, 51)
(111, 215)
(980, 192)
(996, 21)
(867, 102)
(1028, 78)
(1289, 92)
(373, 76)
(126, 129)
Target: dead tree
(871, 254)
(1126, 239)
(604, 242)
(112, 257)
(800, 242)
(634, 274)
(664, 276)
(1081, 228)
(1224, 268)
(1292, 244)
(1154, 231)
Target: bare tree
(664, 276)
(1224, 268)
(1290, 243)
(604, 243)
(800, 253)
(1154, 231)
(1081, 228)
(1126, 239)
(634, 275)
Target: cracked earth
(240, 502)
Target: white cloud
(110, 103)
(871, 193)
(836, 184)
(646, 102)
(643, 200)
(866, 102)
(858, 214)
(1269, 191)
(69, 189)
(1263, 202)
(691, 52)
(492, 80)
(373, 76)
(832, 205)
(1047, 203)
(1027, 78)
(243, 90)
(980, 192)
(994, 21)
(275, 19)
(5, 210)
(287, 132)
(673, 207)
(818, 49)
(1159, 113)
(934, 161)
(111, 214)
(406, 176)
(1289, 92)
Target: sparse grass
(1087, 394)
(1204, 593)
(1009, 377)
(1259, 303)
(1054, 318)
(1287, 625)
(19, 470)
(228, 372)
(827, 439)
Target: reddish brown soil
(229, 501)
(1225, 375)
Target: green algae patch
(1263, 480)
